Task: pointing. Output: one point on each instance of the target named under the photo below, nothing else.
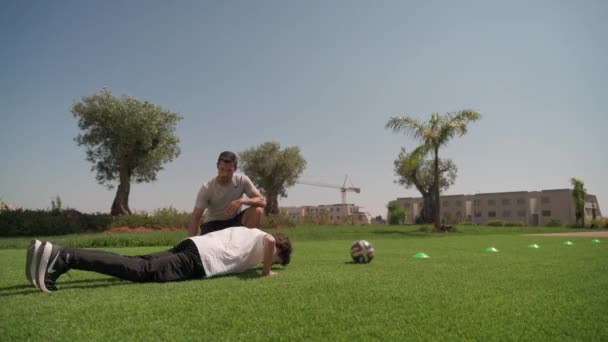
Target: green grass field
(556, 292)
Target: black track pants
(179, 263)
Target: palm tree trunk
(427, 212)
(428, 208)
(436, 191)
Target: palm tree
(578, 193)
(433, 134)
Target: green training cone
(533, 246)
(421, 255)
(491, 249)
(595, 241)
(568, 243)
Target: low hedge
(499, 223)
(553, 223)
(24, 222)
(514, 224)
(495, 223)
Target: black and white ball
(362, 252)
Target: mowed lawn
(556, 292)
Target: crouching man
(228, 251)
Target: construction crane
(343, 188)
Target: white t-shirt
(230, 250)
(215, 197)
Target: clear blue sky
(322, 75)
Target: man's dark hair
(283, 248)
(227, 157)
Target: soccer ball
(362, 252)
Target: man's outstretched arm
(269, 251)
(195, 219)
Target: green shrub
(396, 218)
(594, 223)
(599, 222)
(425, 229)
(514, 224)
(553, 223)
(280, 220)
(320, 218)
(133, 220)
(396, 213)
(495, 223)
(467, 223)
(97, 222)
(170, 218)
(159, 218)
(324, 218)
(446, 229)
(56, 204)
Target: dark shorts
(213, 226)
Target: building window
(458, 215)
(458, 203)
(546, 213)
(337, 209)
(491, 202)
(506, 201)
(491, 214)
(478, 214)
(521, 213)
(521, 201)
(545, 200)
(506, 213)
(476, 202)
(446, 204)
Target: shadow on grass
(254, 273)
(64, 285)
(27, 289)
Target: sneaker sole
(43, 262)
(31, 261)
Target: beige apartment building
(533, 208)
(333, 213)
